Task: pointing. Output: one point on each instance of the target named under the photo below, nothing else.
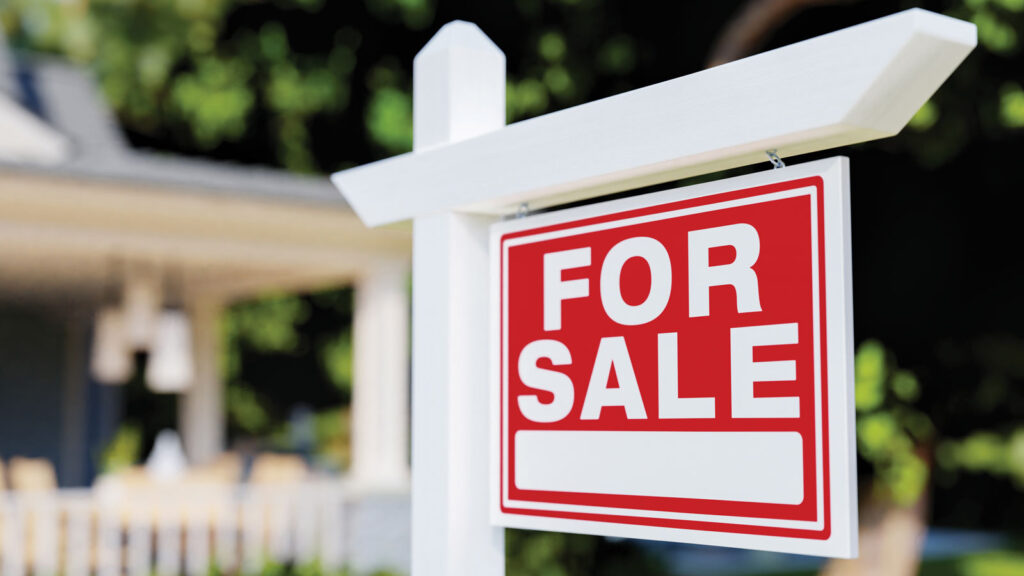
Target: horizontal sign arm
(858, 84)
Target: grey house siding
(48, 408)
(31, 376)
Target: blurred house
(106, 250)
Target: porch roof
(77, 200)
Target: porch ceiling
(63, 239)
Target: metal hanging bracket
(773, 157)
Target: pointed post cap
(459, 35)
(458, 86)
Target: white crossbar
(854, 85)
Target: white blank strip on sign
(700, 465)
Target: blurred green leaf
(274, 41)
(215, 99)
(526, 98)
(869, 368)
(389, 119)
(1011, 105)
(551, 46)
(998, 563)
(987, 452)
(925, 117)
(994, 33)
(892, 434)
(336, 356)
(904, 385)
(269, 324)
(245, 410)
(617, 55)
(123, 451)
(877, 435)
(906, 477)
(1011, 5)
(559, 81)
(416, 14)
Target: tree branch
(753, 25)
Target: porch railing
(171, 530)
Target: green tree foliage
(207, 76)
(303, 341)
(982, 100)
(893, 437)
(124, 450)
(993, 449)
(296, 82)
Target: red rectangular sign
(678, 365)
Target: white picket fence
(171, 530)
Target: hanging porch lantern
(171, 366)
(111, 360)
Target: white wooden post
(140, 542)
(330, 523)
(45, 533)
(78, 542)
(279, 512)
(304, 525)
(12, 514)
(203, 422)
(168, 543)
(380, 391)
(108, 539)
(197, 540)
(226, 532)
(254, 505)
(458, 93)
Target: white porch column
(202, 419)
(380, 387)
(458, 93)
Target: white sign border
(842, 540)
(808, 191)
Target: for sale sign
(678, 365)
